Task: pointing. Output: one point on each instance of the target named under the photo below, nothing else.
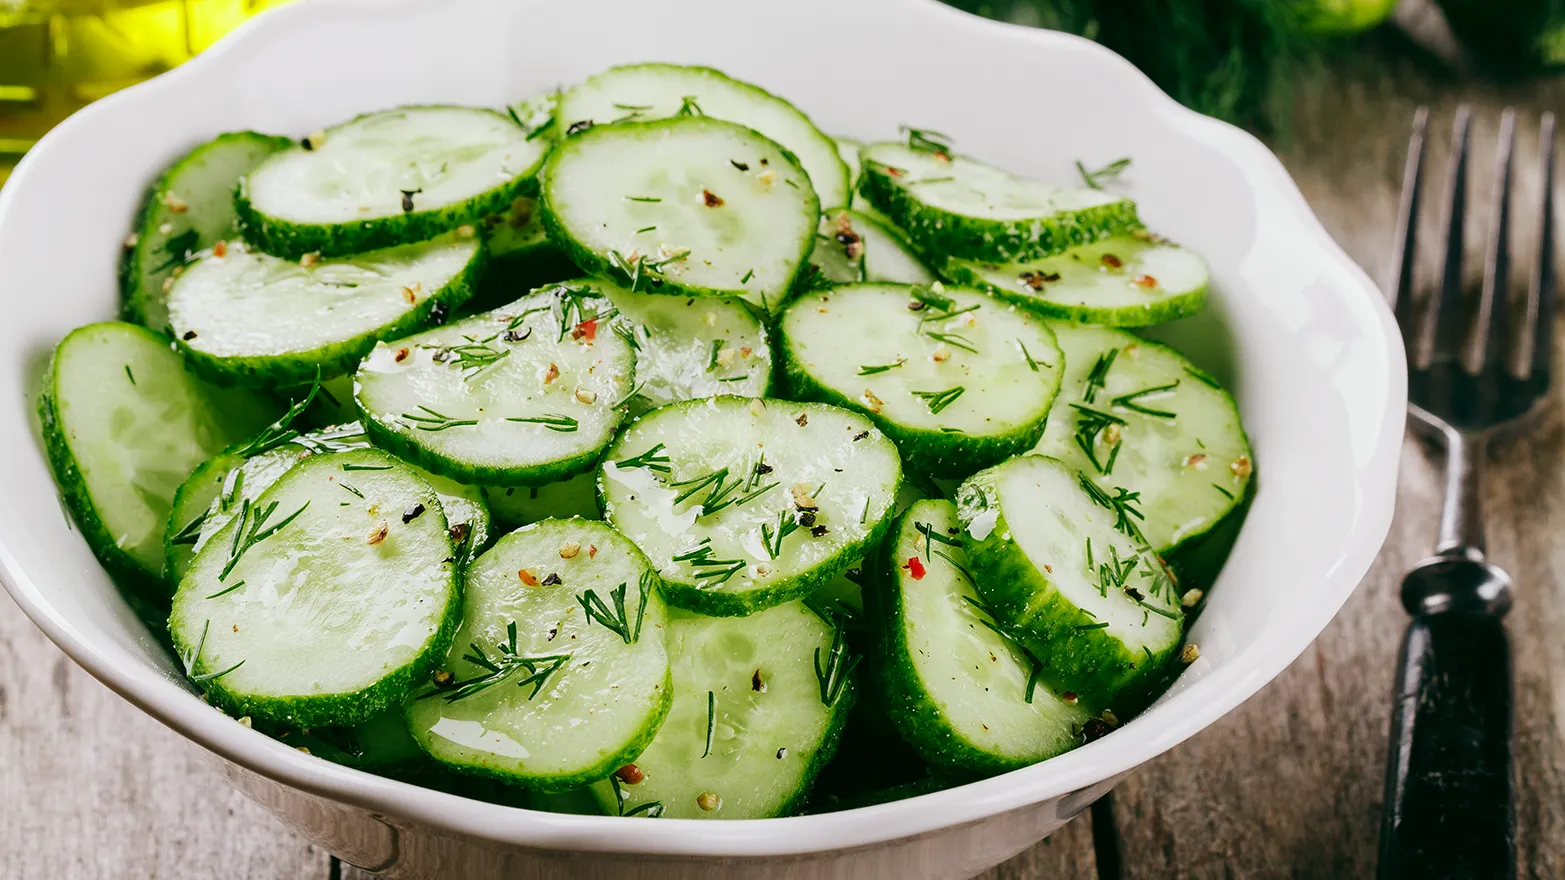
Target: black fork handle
(1449, 807)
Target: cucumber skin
(936, 453)
(337, 359)
(147, 591)
(1170, 309)
(293, 240)
(592, 264)
(134, 299)
(915, 716)
(1102, 674)
(934, 231)
(341, 710)
(562, 784)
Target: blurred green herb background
(1246, 61)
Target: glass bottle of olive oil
(57, 55)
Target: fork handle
(1448, 776)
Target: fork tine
(1488, 322)
(1532, 357)
(1399, 287)
(1450, 287)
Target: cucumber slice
(220, 487)
(690, 347)
(1060, 564)
(386, 179)
(306, 613)
(125, 423)
(520, 257)
(960, 692)
(517, 506)
(1156, 425)
(957, 378)
(532, 662)
(850, 150)
(252, 319)
(960, 207)
(749, 729)
(189, 209)
(524, 395)
(851, 246)
(689, 206)
(1134, 280)
(642, 92)
(743, 504)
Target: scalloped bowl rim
(1180, 715)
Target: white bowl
(1295, 328)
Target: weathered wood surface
(1289, 785)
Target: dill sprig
(570, 308)
(1122, 504)
(939, 400)
(923, 140)
(1090, 425)
(711, 721)
(872, 369)
(772, 539)
(552, 421)
(250, 531)
(650, 809)
(616, 619)
(933, 536)
(689, 107)
(1132, 401)
(1031, 364)
(653, 460)
(474, 356)
(1099, 375)
(190, 659)
(711, 358)
(717, 571)
(434, 421)
(1094, 178)
(955, 340)
(279, 432)
(991, 620)
(506, 662)
(181, 250)
(833, 676)
(633, 266)
(192, 530)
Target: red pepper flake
(915, 568)
(220, 249)
(1144, 281)
(895, 172)
(592, 551)
(528, 577)
(587, 330)
(630, 774)
(712, 199)
(402, 355)
(1112, 261)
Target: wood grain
(1288, 785)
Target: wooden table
(1287, 785)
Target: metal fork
(1449, 809)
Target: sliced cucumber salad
(624, 449)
